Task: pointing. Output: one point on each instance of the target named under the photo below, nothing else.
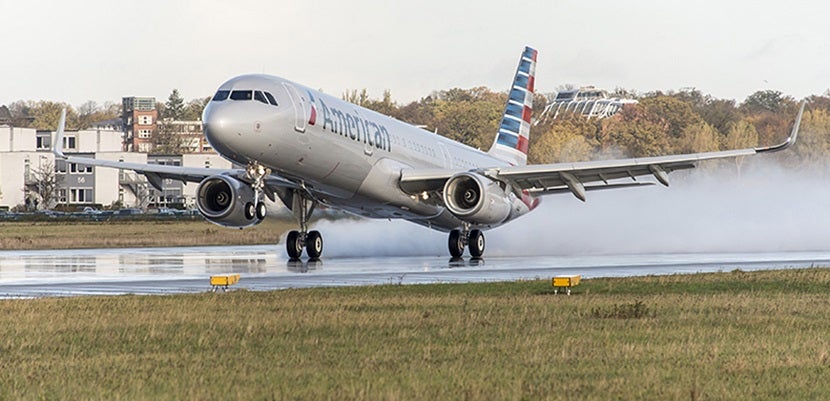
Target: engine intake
(476, 199)
(226, 201)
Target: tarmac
(50, 273)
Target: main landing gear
(474, 239)
(311, 241)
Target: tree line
(45, 114)
(661, 123)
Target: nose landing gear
(256, 173)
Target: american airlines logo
(351, 125)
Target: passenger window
(221, 95)
(271, 99)
(241, 95)
(260, 97)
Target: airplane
(308, 149)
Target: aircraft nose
(222, 127)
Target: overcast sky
(74, 51)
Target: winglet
(793, 134)
(57, 147)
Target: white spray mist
(766, 209)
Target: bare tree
(167, 139)
(43, 184)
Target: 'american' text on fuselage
(355, 127)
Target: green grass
(722, 336)
(134, 233)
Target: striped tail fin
(514, 131)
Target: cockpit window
(241, 95)
(221, 95)
(260, 97)
(271, 98)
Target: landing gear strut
(459, 239)
(312, 241)
(256, 173)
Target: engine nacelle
(476, 199)
(226, 201)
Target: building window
(144, 147)
(62, 195)
(70, 142)
(144, 133)
(145, 120)
(79, 169)
(44, 142)
(80, 195)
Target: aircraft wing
(578, 178)
(156, 173)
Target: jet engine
(226, 201)
(476, 199)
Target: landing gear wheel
(456, 244)
(476, 243)
(260, 210)
(250, 211)
(314, 244)
(294, 245)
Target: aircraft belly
(381, 197)
(323, 167)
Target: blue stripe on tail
(510, 144)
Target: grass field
(724, 336)
(134, 233)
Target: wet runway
(26, 274)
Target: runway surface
(27, 274)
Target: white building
(24, 152)
(587, 101)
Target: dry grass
(726, 336)
(137, 233)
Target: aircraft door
(446, 155)
(298, 101)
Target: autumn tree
(470, 116)
(46, 115)
(636, 132)
(720, 114)
(568, 139)
(813, 146)
(764, 101)
(741, 135)
(698, 138)
(418, 113)
(675, 114)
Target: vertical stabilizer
(514, 131)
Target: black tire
(314, 244)
(476, 243)
(293, 245)
(261, 211)
(456, 244)
(250, 211)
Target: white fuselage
(346, 156)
